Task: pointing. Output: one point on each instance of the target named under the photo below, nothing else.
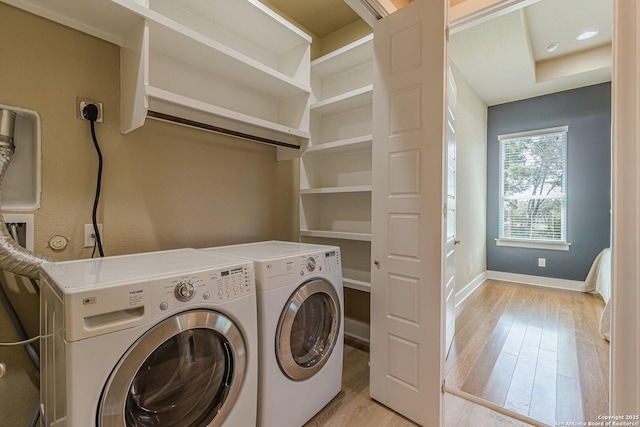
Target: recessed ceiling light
(552, 47)
(587, 34)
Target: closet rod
(216, 129)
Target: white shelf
(342, 146)
(247, 27)
(348, 212)
(358, 285)
(183, 44)
(344, 102)
(343, 70)
(186, 76)
(337, 190)
(363, 237)
(176, 105)
(335, 172)
(350, 124)
(236, 60)
(339, 167)
(345, 58)
(100, 18)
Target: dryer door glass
(308, 329)
(186, 371)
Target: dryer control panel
(215, 286)
(320, 262)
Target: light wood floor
(353, 407)
(533, 350)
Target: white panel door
(407, 304)
(450, 220)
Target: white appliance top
(268, 251)
(95, 272)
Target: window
(533, 200)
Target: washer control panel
(215, 286)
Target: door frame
(624, 389)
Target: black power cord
(90, 112)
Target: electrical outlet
(83, 102)
(90, 237)
(542, 262)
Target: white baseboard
(463, 293)
(549, 282)
(356, 329)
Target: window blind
(533, 185)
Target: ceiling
(321, 17)
(504, 59)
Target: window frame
(562, 243)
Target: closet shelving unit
(220, 65)
(335, 171)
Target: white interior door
(407, 304)
(449, 278)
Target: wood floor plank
(569, 408)
(497, 385)
(501, 307)
(353, 407)
(476, 382)
(519, 395)
(562, 323)
(562, 362)
(567, 347)
(544, 393)
(549, 338)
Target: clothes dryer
(157, 339)
(300, 323)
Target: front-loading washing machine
(300, 323)
(156, 339)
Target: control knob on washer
(310, 264)
(185, 290)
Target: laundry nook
(319, 213)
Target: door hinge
(444, 211)
(443, 387)
(446, 33)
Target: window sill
(554, 246)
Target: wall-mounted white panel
(21, 187)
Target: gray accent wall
(587, 113)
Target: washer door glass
(186, 371)
(308, 329)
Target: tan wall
(335, 40)
(345, 35)
(471, 182)
(357, 305)
(164, 186)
